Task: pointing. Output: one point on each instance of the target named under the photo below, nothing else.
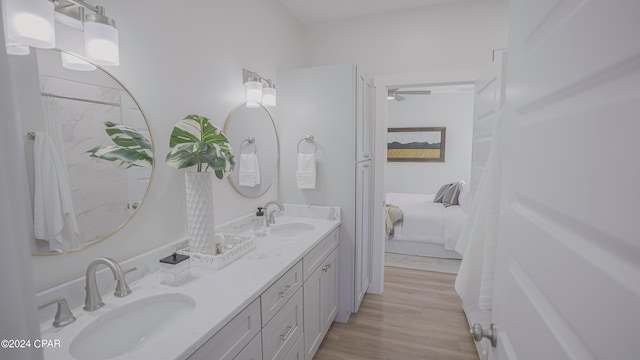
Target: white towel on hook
(306, 174)
(54, 219)
(249, 171)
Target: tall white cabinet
(334, 104)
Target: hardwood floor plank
(419, 317)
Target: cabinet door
(363, 232)
(364, 93)
(313, 319)
(329, 290)
(253, 351)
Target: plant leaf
(126, 136)
(127, 157)
(195, 141)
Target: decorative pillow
(451, 195)
(440, 193)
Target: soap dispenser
(260, 226)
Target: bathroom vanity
(276, 302)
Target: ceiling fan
(396, 94)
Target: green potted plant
(196, 143)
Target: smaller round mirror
(254, 139)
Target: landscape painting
(420, 144)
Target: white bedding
(426, 221)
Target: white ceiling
(313, 11)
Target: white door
(363, 231)
(568, 270)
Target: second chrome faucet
(93, 300)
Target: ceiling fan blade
(414, 92)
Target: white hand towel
(249, 171)
(54, 219)
(306, 174)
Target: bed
(416, 225)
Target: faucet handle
(122, 288)
(64, 316)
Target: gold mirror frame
(237, 149)
(153, 165)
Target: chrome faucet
(93, 300)
(270, 215)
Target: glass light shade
(101, 43)
(254, 91)
(17, 50)
(269, 97)
(30, 22)
(72, 40)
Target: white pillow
(464, 199)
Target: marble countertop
(219, 295)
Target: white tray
(232, 247)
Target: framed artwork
(419, 144)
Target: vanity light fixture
(269, 94)
(101, 38)
(72, 39)
(259, 89)
(33, 23)
(29, 22)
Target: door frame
(380, 120)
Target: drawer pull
(286, 335)
(287, 288)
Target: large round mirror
(88, 150)
(254, 139)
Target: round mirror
(254, 139)
(88, 150)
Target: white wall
(451, 110)
(179, 59)
(17, 298)
(444, 38)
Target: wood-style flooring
(419, 316)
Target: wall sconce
(259, 90)
(29, 22)
(33, 23)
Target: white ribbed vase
(199, 191)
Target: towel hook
(249, 140)
(308, 139)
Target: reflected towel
(306, 174)
(54, 219)
(249, 170)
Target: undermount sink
(291, 229)
(129, 327)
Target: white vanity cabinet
(290, 318)
(229, 342)
(320, 292)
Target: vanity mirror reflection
(88, 150)
(254, 139)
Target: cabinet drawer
(233, 337)
(253, 351)
(314, 258)
(279, 336)
(277, 295)
(297, 352)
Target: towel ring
(308, 139)
(249, 140)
